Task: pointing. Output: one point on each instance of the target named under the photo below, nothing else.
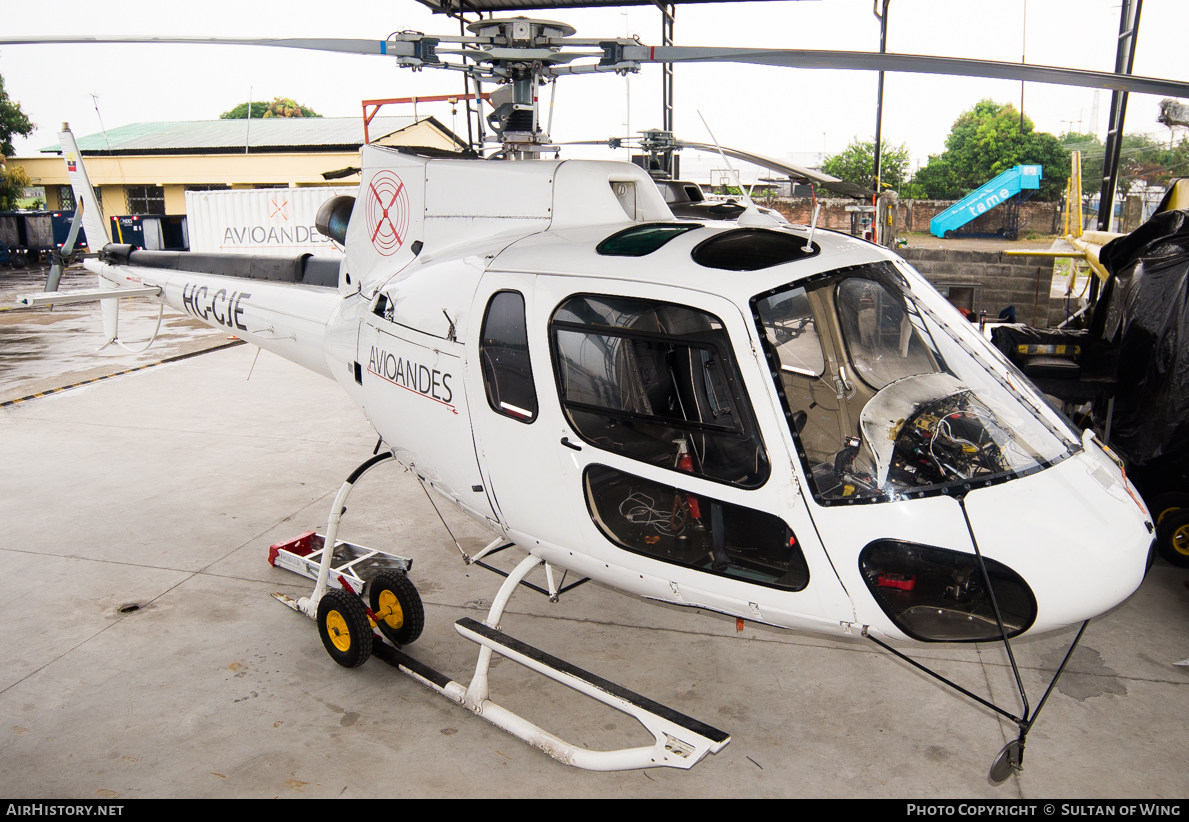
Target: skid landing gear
(346, 572)
(679, 741)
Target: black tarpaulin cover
(1143, 313)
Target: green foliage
(240, 112)
(279, 107)
(754, 193)
(1092, 159)
(856, 164)
(986, 141)
(12, 121)
(1143, 159)
(13, 181)
(284, 107)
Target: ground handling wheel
(1172, 537)
(1167, 503)
(397, 606)
(344, 628)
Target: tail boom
(287, 319)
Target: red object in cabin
(686, 463)
(902, 582)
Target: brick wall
(995, 280)
(1043, 218)
(799, 210)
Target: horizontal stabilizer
(63, 298)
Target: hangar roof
(270, 134)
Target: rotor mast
(521, 57)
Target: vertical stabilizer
(94, 223)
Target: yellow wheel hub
(336, 626)
(1180, 540)
(390, 611)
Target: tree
(12, 121)
(240, 112)
(986, 141)
(13, 181)
(279, 107)
(1093, 155)
(1144, 160)
(1147, 161)
(856, 164)
(284, 107)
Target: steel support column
(882, 16)
(668, 13)
(1124, 59)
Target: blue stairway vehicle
(990, 194)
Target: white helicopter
(781, 424)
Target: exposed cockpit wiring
(640, 509)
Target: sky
(778, 112)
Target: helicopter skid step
(680, 741)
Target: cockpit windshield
(888, 396)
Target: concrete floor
(165, 488)
(41, 350)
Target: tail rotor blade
(55, 275)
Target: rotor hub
(521, 32)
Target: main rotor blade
(395, 48)
(795, 172)
(781, 166)
(911, 63)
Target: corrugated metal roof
(215, 135)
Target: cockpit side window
(880, 337)
(503, 355)
(656, 382)
(788, 324)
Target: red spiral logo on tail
(387, 212)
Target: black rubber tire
(412, 620)
(949, 235)
(1164, 504)
(18, 260)
(1172, 537)
(344, 627)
